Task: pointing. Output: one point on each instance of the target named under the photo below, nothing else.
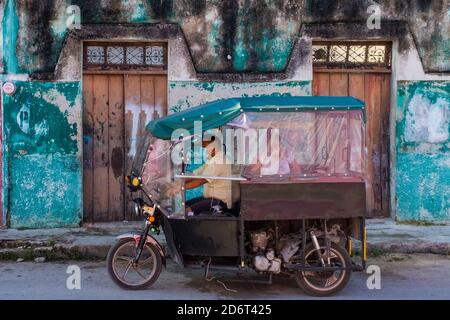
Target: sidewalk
(384, 235)
(92, 241)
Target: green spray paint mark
(10, 34)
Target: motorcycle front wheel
(129, 275)
(325, 283)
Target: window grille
(125, 56)
(352, 55)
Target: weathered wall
(1, 162)
(423, 151)
(42, 126)
(217, 49)
(222, 36)
(186, 94)
(2, 11)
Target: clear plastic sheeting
(158, 177)
(265, 146)
(307, 144)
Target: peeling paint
(423, 151)
(423, 116)
(223, 36)
(186, 94)
(427, 122)
(232, 39)
(46, 192)
(42, 123)
(423, 186)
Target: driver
(217, 194)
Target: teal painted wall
(10, 28)
(42, 139)
(223, 36)
(423, 151)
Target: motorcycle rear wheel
(129, 275)
(319, 283)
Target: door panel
(321, 84)
(338, 84)
(385, 144)
(101, 160)
(373, 100)
(115, 147)
(116, 110)
(356, 85)
(88, 147)
(374, 89)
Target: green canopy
(218, 113)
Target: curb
(409, 248)
(32, 250)
(50, 251)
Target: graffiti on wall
(423, 151)
(41, 122)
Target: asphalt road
(402, 277)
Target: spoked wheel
(129, 275)
(325, 283)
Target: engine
(262, 246)
(269, 254)
(265, 257)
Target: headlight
(136, 182)
(150, 211)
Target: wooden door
(374, 89)
(116, 109)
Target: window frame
(346, 64)
(124, 67)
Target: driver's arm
(188, 184)
(197, 182)
(194, 183)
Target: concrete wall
(423, 151)
(420, 146)
(217, 49)
(42, 126)
(222, 36)
(186, 94)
